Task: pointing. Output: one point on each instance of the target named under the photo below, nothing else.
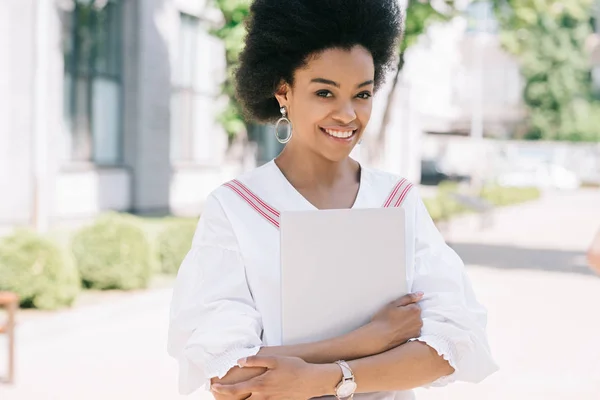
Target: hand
(285, 378)
(398, 321)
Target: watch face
(346, 389)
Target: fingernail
(420, 294)
(242, 362)
(215, 387)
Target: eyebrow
(337, 85)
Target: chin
(335, 156)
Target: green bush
(41, 272)
(114, 253)
(174, 242)
(504, 196)
(444, 206)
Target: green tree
(549, 37)
(232, 33)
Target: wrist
(375, 338)
(327, 377)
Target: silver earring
(285, 119)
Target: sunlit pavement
(543, 302)
(528, 269)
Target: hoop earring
(285, 119)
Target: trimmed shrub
(174, 242)
(113, 253)
(41, 272)
(504, 196)
(444, 206)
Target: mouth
(344, 135)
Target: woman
(314, 65)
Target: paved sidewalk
(544, 321)
(105, 352)
(543, 301)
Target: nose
(345, 113)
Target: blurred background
(117, 119)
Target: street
(528, 269)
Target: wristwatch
(347, 386)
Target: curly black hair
(282, 34)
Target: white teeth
(339, 134)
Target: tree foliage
(549, 37)
(232, 33)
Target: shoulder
(227, 196)
(382, 185)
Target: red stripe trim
(258, 209)
(393, 194)
(403, 195)
(255, 197)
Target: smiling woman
(314, 65)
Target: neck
(308, 169)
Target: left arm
(453, 342)
(454, 322)
(452, 345)
(406, 367)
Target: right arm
(391, 327)
(213, 319)
(214, 322)
(354, 345)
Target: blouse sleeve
(454, 323)
(213, 320)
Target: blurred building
(112, 104)
(108, 105)
(465, 83)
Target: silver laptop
(339, 267)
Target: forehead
(350, 66)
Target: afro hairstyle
(283, 34)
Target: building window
(93, 81)
(191, 104)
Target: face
(330, 101)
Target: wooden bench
(10, 302)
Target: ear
(282, 94)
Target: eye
(324, 93)
(364, 95)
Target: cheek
(363, 110)
(311, 110)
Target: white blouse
(226, 304)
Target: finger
(238, 389)
(259, 361)
(408, 299)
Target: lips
(340, 133)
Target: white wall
(85, 193)
(16, 77)
(443, 70)
(192, 182)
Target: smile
(339, 134)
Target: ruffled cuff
(218, 366)
(445, 349)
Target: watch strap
(346, 370)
